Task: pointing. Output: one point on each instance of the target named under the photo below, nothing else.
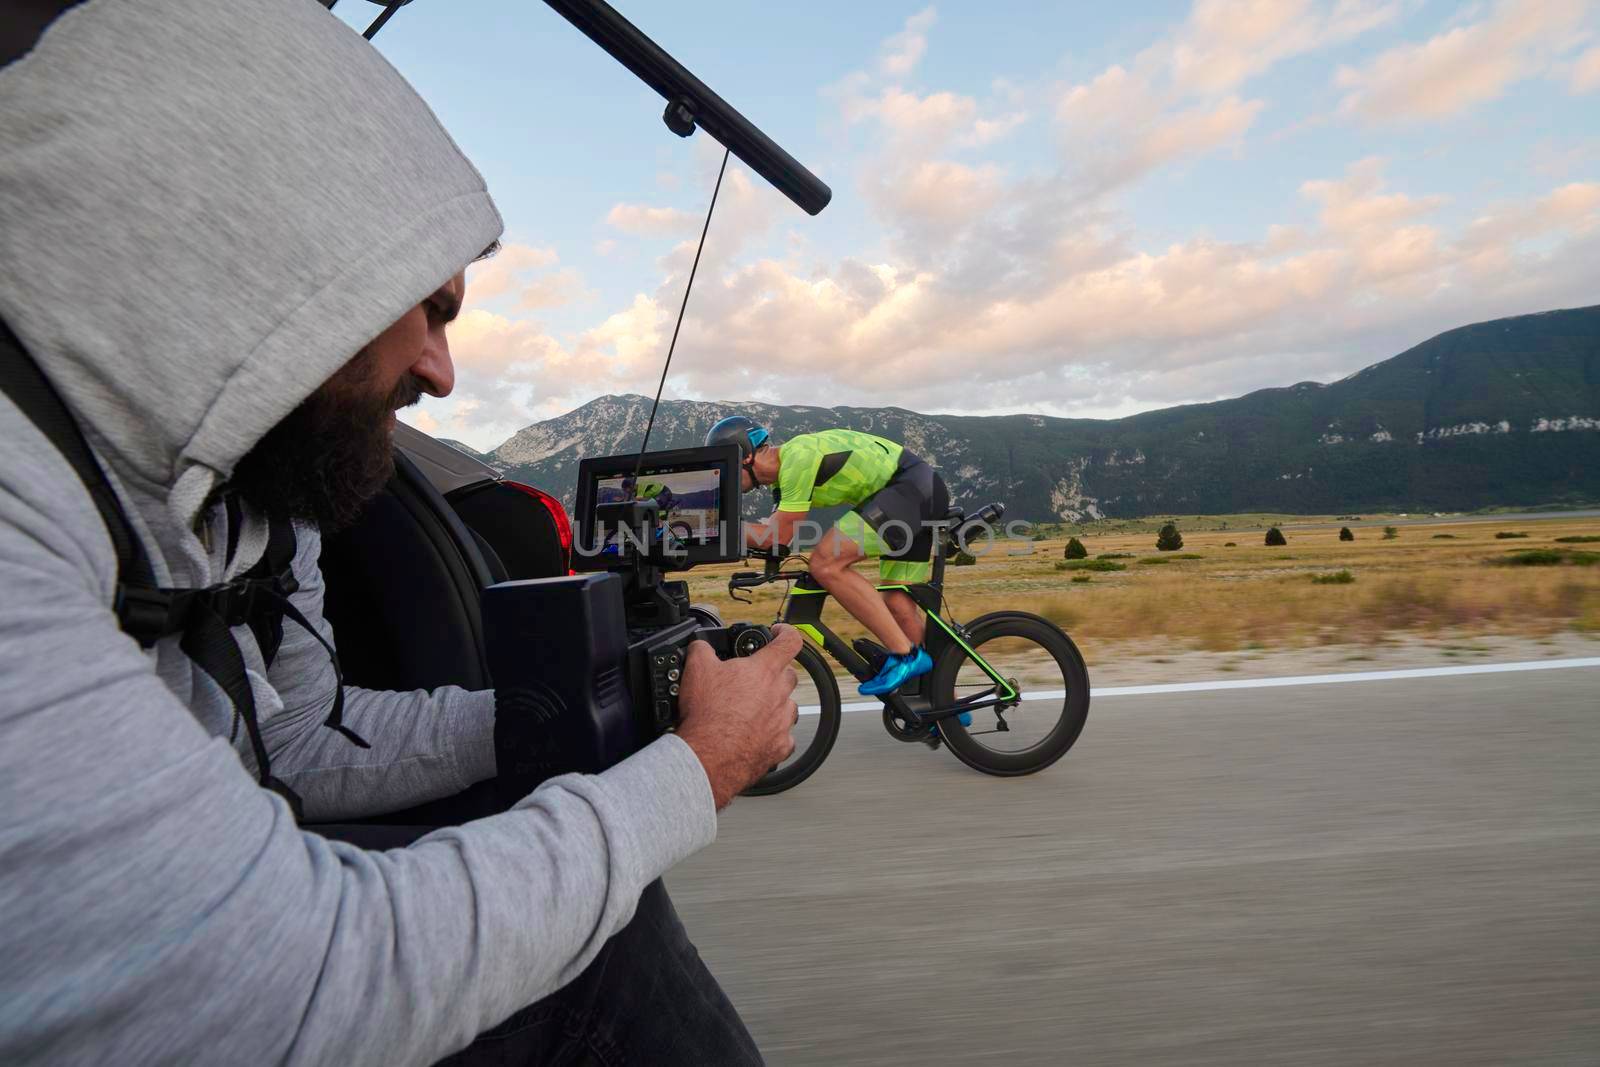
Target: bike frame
(803, 611)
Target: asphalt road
(1387, 872)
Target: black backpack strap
(208, 642)
(277, 562)
(273, 582)
(33, 394)
(259, 598)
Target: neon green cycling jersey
(830, 467)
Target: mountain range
(1498, 413)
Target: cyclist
(895, 498)
(665, 498)
(633, 489)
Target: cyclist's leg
(848, 543)
(921, 500)
(906, 611)
(892, 525)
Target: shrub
(1230, 544)
(1115, 555)
(1507, 535)
(1082, 578)
(1444, 537)
(1581, 539)
(1075, 549)
(1188, 555)
(1345, 534)
(1390, 533)
(963, 559)
(1089, 565)
(1275, 537)
(1155, 559)
(1548, 557)
(1169, 539)
(1336, 578)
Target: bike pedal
(872, 652)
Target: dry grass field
(1431, 578)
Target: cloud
(1194, 132)
(1119, 128)
(1101, 325)
(901, 52)
(1356, 205)
(1225, 43)
(1197, 319)
(506, 270)
(1586, 72)
(1465, 66)
(909, 119)
(510, 371)
(1178, 99)
(987, 131)
(1573, 208)
(520, 277)
(641, 220)
(551, 290)
(933, 199)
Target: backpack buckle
(145, 612)
(235, 602)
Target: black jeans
(646, 999)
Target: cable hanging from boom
(645, 445)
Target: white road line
(1272, 683)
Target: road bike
(1017, 678)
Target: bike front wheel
(818, 696)
(1042, 665)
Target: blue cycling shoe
(896, 671)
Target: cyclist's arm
(797, 480)
(777, 528)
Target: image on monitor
(695, 497)
(690, 501)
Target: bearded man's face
(334, 452)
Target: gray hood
(191, 241)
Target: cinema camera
(587, 667)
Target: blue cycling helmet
(746, 433)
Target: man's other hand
(736, 713)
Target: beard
(328, 457)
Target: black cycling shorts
(903, 511)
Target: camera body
(588, 668)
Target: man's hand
(736, 713)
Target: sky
(1073, 209)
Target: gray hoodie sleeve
(160, 907)
(424, 745)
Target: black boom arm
(691, 103)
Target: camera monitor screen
(695, 517)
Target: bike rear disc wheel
(1048, 671)
(814, 734)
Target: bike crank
(902, 730)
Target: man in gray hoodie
(229, 232)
